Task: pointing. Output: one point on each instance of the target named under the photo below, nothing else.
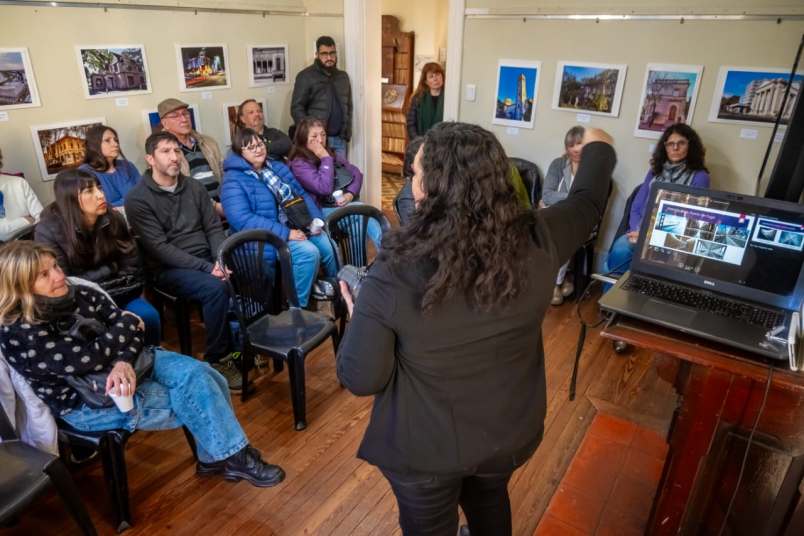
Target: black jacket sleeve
(210, 220)
(570, 221)
(49, 234)
(279, 144)
(301, 96)
(412, 118)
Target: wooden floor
(328, 490)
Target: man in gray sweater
(180, 234)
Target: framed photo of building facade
(113, 70)
(669, 95)
(592, 88)
(152, 123)
(753, 95)
(61, 146)
(267, 65)
(17, 82)
(516, 93)
(230, 118)
(203, 67)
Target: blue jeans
(337, 144)
(373, 230)
(150, 317)
(180, 391)
(620, 255)
(306, 256)
(213, 294)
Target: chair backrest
(251, 277)
(531, 176)
(7, 432)
(348, 228)
(623, 227)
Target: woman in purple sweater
(327, 176)
(678, 158)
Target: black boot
(245, 465)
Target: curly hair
(469, 225)
(695, 152)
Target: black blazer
(459, 391)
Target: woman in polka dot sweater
(50, 330)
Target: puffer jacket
(311, 95)
(250, 204)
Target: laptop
(722, 266)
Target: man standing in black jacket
(323, 91)
(180, 233)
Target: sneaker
(567, 287)
(558, 297)
(245, 465)
(228, 369)
(323, 290)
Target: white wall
(733, 162)
(50, 35)
(427, 18)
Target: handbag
(124, 287)
(297, 213)
(343, 178)
(92, 387)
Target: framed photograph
(515, 97)
(393, 96)
(203, 67)
(230, 118)
(753, 95)
(592, 88)
(268, 65)
(61, 146)
(668, 97)
(17, 82)
(113, 70)
(153, 124)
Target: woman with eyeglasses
(54, 333)
(679, 159)
(92, 242)
(105, 159)
(261, 193)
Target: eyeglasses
(254, 147)
(177, 114)
(329, 54)
(676, 144)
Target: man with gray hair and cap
(202, 158)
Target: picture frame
(17, 81)
(394, 96)
(113, 70)
(669, 96)
(516, 81)
(153, 124)
(203, 67)
(591, 88)
(752, 95)
(268, 65)
(61, 146)
(230, 118)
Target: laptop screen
(710, 238)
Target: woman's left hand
(347, 297)
(121, 374)
(345, 199)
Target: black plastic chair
(111, 445)
(289, 335)
(181, 311)
(531, 176)
(26, 473)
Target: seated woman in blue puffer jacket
(255, 190)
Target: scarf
(55, 309)
(676, 173)
(429, 112)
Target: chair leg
(297, 396)
(191, 441)
(114, 470)
(66, 489)
(182, 315)
(279, 365)
(246, 363)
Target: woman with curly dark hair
(445, 331)
(678, 158)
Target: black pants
(428, 504)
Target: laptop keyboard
(704, 301)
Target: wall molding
(287, 12)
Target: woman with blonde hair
(426, 106)
(54, 334)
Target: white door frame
(362, 30)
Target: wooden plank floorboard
(328, 490)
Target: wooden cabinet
(397, 72)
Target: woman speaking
(445, 332)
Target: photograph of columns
(753, 95)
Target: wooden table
(721, 391)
